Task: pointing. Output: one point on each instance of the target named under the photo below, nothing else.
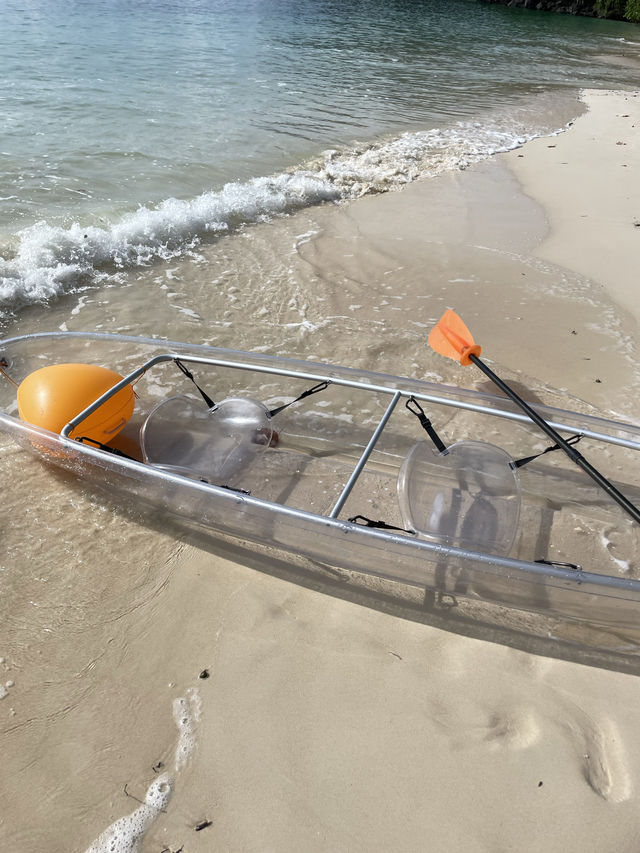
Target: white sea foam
(186, 713)
(52, 260)
(126, 833)
(380, 167)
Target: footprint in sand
(597, 743)
(515, 729)
(600, 745)
(594, 740)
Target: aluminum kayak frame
(545, 588)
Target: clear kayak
(433, 487)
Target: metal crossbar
(339, 380)
(365, 455)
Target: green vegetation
(632, 11)
(627, 9)
(610, 8)
(621, 10)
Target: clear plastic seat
(182, 436)
(468, 497)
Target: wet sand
(286, 716)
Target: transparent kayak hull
(338, 461)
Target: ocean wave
(52, 260)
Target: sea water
(132, 133)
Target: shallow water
(152, 128)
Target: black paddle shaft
(571, 452)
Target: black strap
(573, 439)
(101, 446)
(189, 375)
(574, 566)
(223, 486)
(368, 522)
(319, 387)
(210, 404)
(416, 409)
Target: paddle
(451, 338)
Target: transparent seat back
(467, 498)
(182, 436)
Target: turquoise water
(133, 131)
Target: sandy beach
(214, 702)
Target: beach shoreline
(306, 720)
(586, 182)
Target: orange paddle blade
(451, 338)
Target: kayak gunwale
(353, 536)
(577, 576)
(459, 398)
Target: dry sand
(264, 715)
(588, 183)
